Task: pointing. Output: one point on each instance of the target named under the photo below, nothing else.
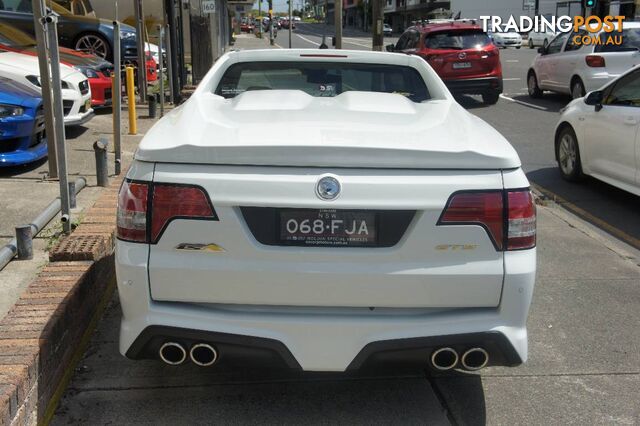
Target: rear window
(457, 40)
(322, 79)
(630, 41)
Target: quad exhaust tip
(444, 359)
(172, 353)
(203, 354)
(475, 359)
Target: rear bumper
(475, 86)
(325, 339)
(100, 91)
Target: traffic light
(590, 3)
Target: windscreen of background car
(10, 36)
(458, 40)
(322, 79)
(630, 41)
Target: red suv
(461, 53)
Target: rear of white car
(382, 230)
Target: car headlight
(88, 72)
(127, 35)
(10, 110)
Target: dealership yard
(584, 342)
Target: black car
(84, 33)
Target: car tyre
(518, 47)
(577, 89)
(532, 86)
(490, 98)
(568, 155)
(530, 44)
(95, 44)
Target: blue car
(22, 137)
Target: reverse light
(509, 217)
(594, 61)
(145, 209)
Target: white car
(598, 135)
(391, 225)
(506, 39)
(540, 38)
(575, 69)
(76, 93)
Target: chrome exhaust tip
(203, 354)
(475, 359)
(444, 359)
(172, 353)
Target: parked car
(154, 51)
(462, 55)
(246, 27)
(285, 24)
(598, 135)
(22, 137)
(575, 69)
(85, 33)
(96, 69)
(397, 228)
(540, 38)
(76, 93)
(78, 7)
(506, 39)
(387, 30)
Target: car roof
(446, 26)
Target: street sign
(208, 6)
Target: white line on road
(524, 103)
(512, 60)
(511, 79)
(308, 41)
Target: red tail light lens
(509, 217)
(177, 202)
(139, 223)
(131, 223)
(521, 232)
(595, 61)
(477, 208)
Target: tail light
(595, 61)
(146, 209)
(509, 217)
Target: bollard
(131, 99)
(102, 172)
(24, 242)
(152, 106)
(72, 195)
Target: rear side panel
(430, 266)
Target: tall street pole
(271, 40)
(377, 18)
(45, 79)
(142, 57)
(290, 20)
(337, 13)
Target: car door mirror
(391, 47)
(542, 50)
(594, 98)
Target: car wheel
(577, 89)
(94, 44)
(532, 86)
(530, 44)
(568, 155)
(518, 47)
(490, 98)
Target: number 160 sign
(209, 6)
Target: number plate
(461, 65)
(328, 228)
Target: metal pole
(72, 195)
(290, 21)
(142, 57)
(337, 14)
(161, 72)
(378, 36)
(131, 101)
(24, 240)
(116, 96)
(169, 64)
(9, 250)
(50, 25)
(271, 40)
(102, 168)
(45, 79)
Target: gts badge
(456, 247)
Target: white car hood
(22, 64)
(354, 129)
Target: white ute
(388, 227)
